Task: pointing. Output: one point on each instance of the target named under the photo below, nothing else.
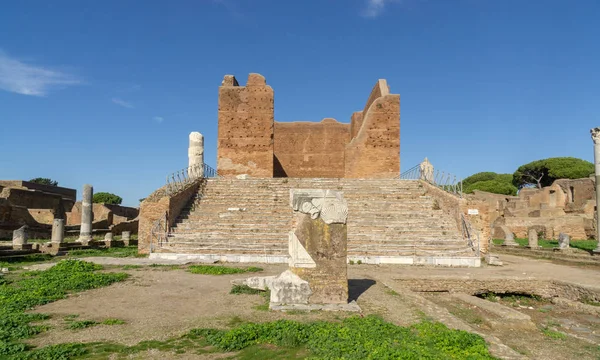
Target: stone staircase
(248, 220)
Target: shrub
(106, 198)
(490, 182)
(44, 181)
(492, 186)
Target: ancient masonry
(244, 215)
(251, 142)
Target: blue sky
(106, 92)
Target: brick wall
(245, 134)
(375, 151)
(155, 206)
(310, 149)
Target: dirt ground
(159, 303)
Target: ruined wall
(455, 206)
(156, 205)
(310, 149)
(245, 134)
(375, 151)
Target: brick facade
(251, 142)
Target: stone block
(533, 238)
(564, 241)
(20, 237)
(289, 288)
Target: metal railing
(471, 235)
(445, 181)
(181, 179)
(160, 232)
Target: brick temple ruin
(243, 214)
(251, 142)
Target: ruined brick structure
(251, 142)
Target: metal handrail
(181, 179)
(472, 235)
(445, 181)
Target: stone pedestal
(533, 239)
(58, 231)
(126, 237)
(196, 155)
(318, 244)
(19, 240)
(87, 215)
(564, 241)
(108, 239)
(509, 237)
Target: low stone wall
(156, 205)
(455, 206)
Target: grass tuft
(220, 270)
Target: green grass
(113, 322)
(120, 252)
(17, 262)
(352, 338)
(131, 267)
(243, 289)
(83, 324)
(46, 286)
(220, 270)
(553, 334)
(587, 245)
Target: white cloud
(374, 8)
(158, 119)
(21, 78)
(123, 103)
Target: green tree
(493, 186)
(44, 181)
(490, 182)
(106, 198)
(543, 172)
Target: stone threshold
(350, 307)
(451, 261)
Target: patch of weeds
(112, 321)
(220, 270)
(244, 289)
(359, 262)
(553, 334)
(120, 252)
(267, 299)
(71, 317)
(352, 338)
(391, 292)
(489, 296)
(17, 262)
(544, 310)
(351, 262)
(50, 285)
(588, 301)
(297, 312)
(165, 267)
(131, 267)
(83, 324)
(436, 205)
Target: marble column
(58, 231)
(87, 214)
(596, 138)
(196, 155)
